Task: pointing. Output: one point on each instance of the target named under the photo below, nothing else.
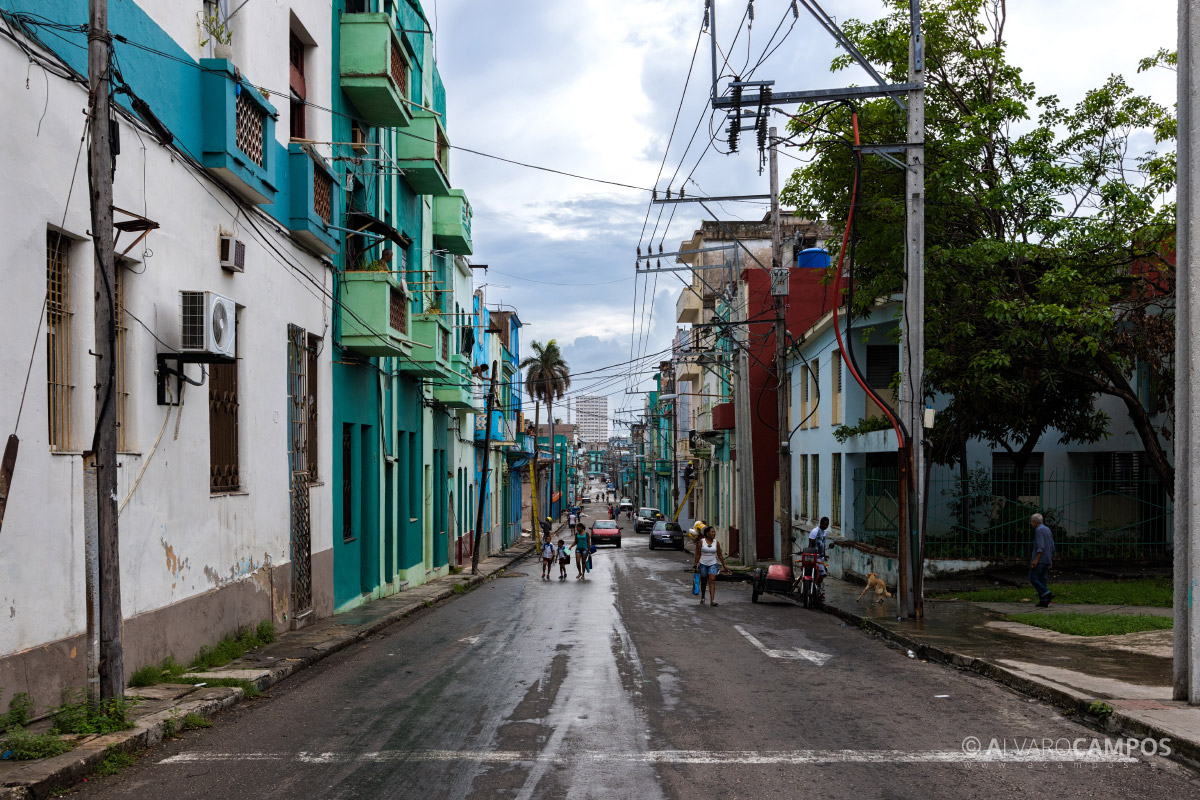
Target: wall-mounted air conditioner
(233, 254)
(208, 324)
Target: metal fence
(985, 515)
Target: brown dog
(876, 584)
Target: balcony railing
(314, 199)
(375, 70)
(238, 132)
(374, 313)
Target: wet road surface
(622, 686)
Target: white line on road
(470, 639)
(793, 654)
(1030, 755)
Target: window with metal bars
(803, 484)
(347, 482)
(124, 433)
(58, 341)
(814, 474)
(314, 432)
(814, 372)
(223, 405)
(804, 397)
(835, 379)
(297, 104)
(835, 490)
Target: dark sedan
(606, 531)
(667, 534)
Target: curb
(1121, 723)
(46, 776)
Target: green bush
(78, 715)
(26, 746)
(115, 761)
(192, 721)
(20, 709)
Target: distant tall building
(591, 415)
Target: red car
(606, 531)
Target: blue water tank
(813, 258)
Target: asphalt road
(622, 686)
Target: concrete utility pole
(779, 288)
(912, 397)
(1187, 364)
(100, 167)
(483, 481)
(743, 437)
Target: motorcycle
(802, 585)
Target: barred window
(58, 342)
(835, 490)
(314, 432)
(814, 473)
(814, 372)
(803, 484)
(835, 378)
(124, 433)
(224, 472)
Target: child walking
(564, 558)
(547, 558)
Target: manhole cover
(513, 575)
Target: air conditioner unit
(358, 140)
(233, 254)
(207, 324)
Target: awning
(362, 221)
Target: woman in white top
(708, 553)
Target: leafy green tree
(1049, 233)
(547, 378)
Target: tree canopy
(1049, 268)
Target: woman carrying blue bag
(708, 553)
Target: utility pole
(1187, 364)
(100, 168)
(910, 536)
(779, 291)
(743, 436)
(483, 481)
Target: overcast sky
(592, 87)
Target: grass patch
(115, 761)
(77, 715)
(459, 588)
(193, 721)
(1153, 592)
(1094, 624)
(220, 654)
(26, 746)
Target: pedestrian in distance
(708, 554)
(1043, 555)
(547, 557)
(546, 525)
(817, 541)
(572, 520)
(583, 549)
(564, 557)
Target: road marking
(470, 639)
(792, 654)
(985, 755)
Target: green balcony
(662, 466)
(424, 155)
(430, 358)
(459, 394)
(374, 313)
(452, 223)
(375, 69)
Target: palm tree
(547, 379)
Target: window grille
(814, 473)
(399, 70)
(814, 373)
(251, 121)
(223, 405)
(803, 484)
(347, 482)
(444, 337)
(398, 311)
(835, 490)
(314, 349)
(323, 194)
(58, 342)
(124, 440)
(804, 397)
(835, 406)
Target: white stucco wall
(177, 540)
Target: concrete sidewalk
(159, 708)
(1129, 674)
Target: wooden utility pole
(483, 481)
(100, 167)
(780, 273)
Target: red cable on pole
(837, 291)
